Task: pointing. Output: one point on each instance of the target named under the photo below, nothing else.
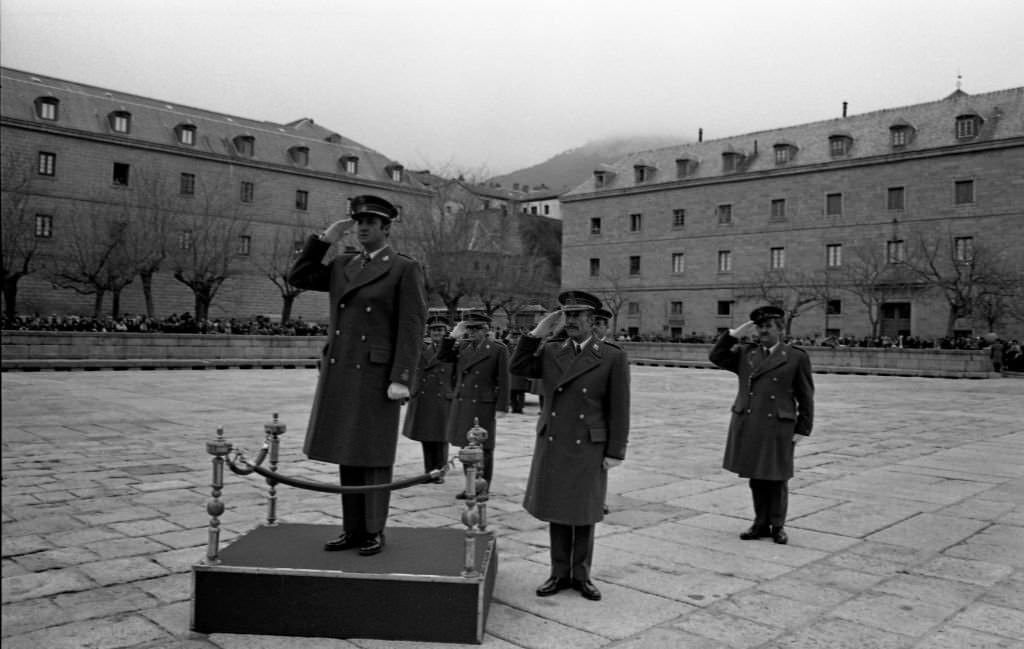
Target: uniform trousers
(771, 500)
(365, 513)
(572, 548)
(435, 455)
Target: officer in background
(582, 432)
(426, 416)
(774, 405)
(378, 307)
(602, 318)
(518, 385)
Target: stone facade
(685, 238)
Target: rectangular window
(188, 184)
(636, 222)
(595, 225)
(899, 137)
(678, 218)
(782, 155)
(48, 109)
(778, 257)
(122, 173)
(675, 308)
(44, 226)
(895, 251)
(778, 209)
(47, 164)
(834, 255)
(725, 307)
(301, 199)
(595, 267)
(838, 146)
(246, 191)
(963, 248)
(966, 127)
(678, 262)
(963, 192)
(894, 200)
(724, 213)
(187, 135)
(634, 265)
(352, 165)
(724, 261)
(121, 122)
(834, 307)
(244, 244)
(185, 239)
(633, 308)
(834, 204)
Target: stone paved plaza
(906, 516)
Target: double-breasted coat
(481, 387)
(585, 417)
(775, 401)
(426, 415)
(375, 338)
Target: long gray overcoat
(481, 387)
(426, 415)
(584, 419)
(376, 332)
(775, 401)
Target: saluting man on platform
(426, 416)
(582, 433)
(378, 308)
(774, 405)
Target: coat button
(584, 390)
(362, 338)
(581, 415)
(331, 361)
(341, 306)
(578, 442)
(551, 439)
(357, 366)
(772, 396)
(560, 389)
(367, 309)
(748, 411)
(769, 414)
(553, 414)
(337, 332)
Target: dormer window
(967, 126)
(731, 161)
(299, 155)
(839, 145)
(350, 164)
(601, 178)
(395, 172)
(784, 153)
(121, 121)
(245, 145)
(683, 167)
(186, 134)
(46, 108)
(900, 134)
(643, 173)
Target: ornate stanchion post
(474, 517)
(218, 448)
(274, 430)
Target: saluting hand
(459, 330)
(549, 324)
(336, 230)
(748, 328)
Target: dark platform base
(279, 581)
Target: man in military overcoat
(481, 384)
(377, 313)
(774, 404)
(582, 432)
(426, 416)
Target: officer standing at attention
(426, 416)
(582, 432)
(378, 307)
(775, 403)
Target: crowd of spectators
(183, 323)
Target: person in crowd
(582, 433)
(518, 385)
(773, 407)
(426, 416)
(602, 319)
(377, 312)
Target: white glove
(549, 324)
(336, 230)
(746, 329)
(459, 331)
(397, 391)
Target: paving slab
(906, 516)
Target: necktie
(576, 349)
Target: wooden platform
(279, 581)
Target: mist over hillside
(568, 169)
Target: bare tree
(276, 264)
(19, 256)
(794, 292)
(867, 274)
(613, 294)
(148, 237)
(206, 251)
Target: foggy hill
(568, 169)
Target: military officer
(774, 405)
(582, 432)
(602, 318)
(426, 416)
(481, 384)
(378, 308)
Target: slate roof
(153, 121)
(932, 124)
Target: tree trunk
(202, 303)
(147, 291)
(11, 295)
(115, 303)
(97, 304)
(287, 300)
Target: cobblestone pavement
(906, 516)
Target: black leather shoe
(461, 496)
(373, 544)
(587, 589)
(552, 586)
(756, 532)
(779, 536)
(346, 541)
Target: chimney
(755, 147)
(844, 109)
(700, 135)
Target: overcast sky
(489, 87)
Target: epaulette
(612, 344)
